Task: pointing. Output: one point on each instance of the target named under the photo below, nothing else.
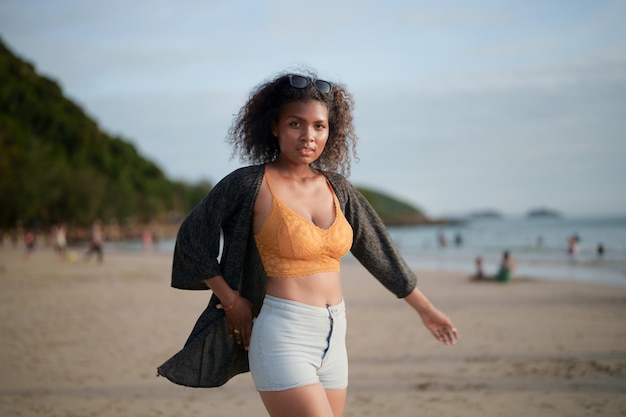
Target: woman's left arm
(375, 250)
(435, 321)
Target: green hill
(57, 165)
(392, 211)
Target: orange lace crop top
(291, 246)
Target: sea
(538, 245)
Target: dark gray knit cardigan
(210, 357)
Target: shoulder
(337, 180)
(242, 179)
(236, 187)
(341, 185)
(245, 174)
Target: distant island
(543, 213)
(485, 214)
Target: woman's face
(302, 131)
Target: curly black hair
(251, 131)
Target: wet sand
(83, 339)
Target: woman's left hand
(435, 321)
(440, 326)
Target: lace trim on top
(292, 246)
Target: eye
(294, 124)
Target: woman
(285, 224)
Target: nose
(308, 134)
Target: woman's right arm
(198, 239)
(198, 244)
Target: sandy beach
(83, 339)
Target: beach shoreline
(82, 338)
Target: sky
(460, 106)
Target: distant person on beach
(572, 245)
(505, 270)
(441, 238)
(600, 250)
(285, 223)
(96, 238)
(479, 274)
(146, 239)
(29, 243)
(458, 239)
(60, 240)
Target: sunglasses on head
(299, 81)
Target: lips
(306, 150)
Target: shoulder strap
(269, 184)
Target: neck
(295, 171)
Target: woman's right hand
(239, 311)
(239, 319)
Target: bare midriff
(321, 290)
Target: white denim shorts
(295, 344)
